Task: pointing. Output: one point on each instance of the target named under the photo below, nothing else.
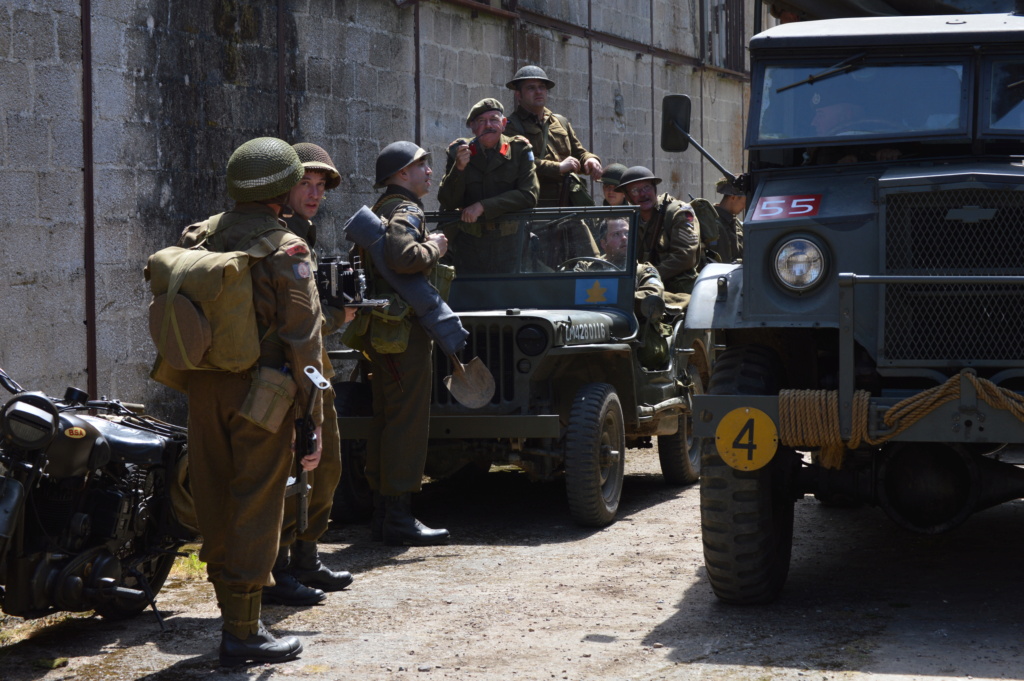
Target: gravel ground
(523, 593)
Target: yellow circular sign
(746, 438)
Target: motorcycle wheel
(154, 571)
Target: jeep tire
(679, 453)
(595, 451)
(747, 516)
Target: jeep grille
(495, 346)
(973, 232)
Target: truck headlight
(799, 264)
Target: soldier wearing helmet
(399, 349)
(669, 233)
(239, 465)
(559, 152)
(485, 177)
(301, 577)
(610, 184)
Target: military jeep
(874, 350)
(579, 379)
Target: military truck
(579, 378)
(873, 346)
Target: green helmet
(262, 168)
(529, 72)
(314, 157)
(395, 157)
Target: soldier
(669, 233)
(239, 469)
(730, 225)
(610, 184)
(399, 351)
(486, 177)
(559, 152)
(302, 579)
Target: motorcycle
(94, 504)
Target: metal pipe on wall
(89, 201)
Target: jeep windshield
(896, 100)
(547, 258)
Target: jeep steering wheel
(602, 264)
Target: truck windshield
(1006, 111)
(868, 101)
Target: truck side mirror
(675, 123)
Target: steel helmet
(637, 174)
(394, 157)
(613, 174)
(263, 168)
(314, 157)
(529, 73)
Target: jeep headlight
(799, 264)
(531, 340)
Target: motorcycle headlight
(29, 421)
(799, 264)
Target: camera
(340, 283)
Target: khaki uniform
(324, 480)
(675, 248)
(553, 140)
(396, 451)
(730, 236)
(238, 470)
(504, 180)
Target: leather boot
(377, 519)
(244, 639)
(307, 568)
(288, 590)
(402, 529)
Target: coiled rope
(811, 417)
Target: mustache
(489, 130)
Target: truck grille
(975, 232)
(494, 345)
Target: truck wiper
(846, 65)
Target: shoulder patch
(301, 270)
(297, 249)
(412, 214)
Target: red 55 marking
(797, 206)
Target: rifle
(305, 444)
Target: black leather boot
(377, 519)
(307, 568)
(258, 648)
(244, 638)
(402, 529)
(288, 590)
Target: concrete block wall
(42, 330)
(178, 86)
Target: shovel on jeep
(470, 383)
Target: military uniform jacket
(675, 249)
(406, 249)
(559, 143)
(730, 236)
(283, 289)
(504, 179)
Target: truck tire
(595, 452)
(747, 516)
(679, 453)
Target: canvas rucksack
(202, 315)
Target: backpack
(202, 315)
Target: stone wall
(177, 86)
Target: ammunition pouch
(269, 399)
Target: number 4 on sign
(746, 438)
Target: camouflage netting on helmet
(263, 168)
(314, 157)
